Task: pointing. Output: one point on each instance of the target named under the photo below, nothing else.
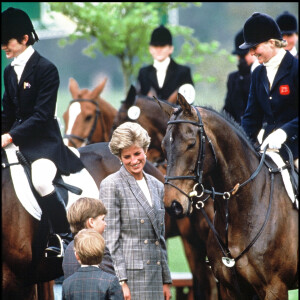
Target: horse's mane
(153, 100)
(238, 129)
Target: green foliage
(123, 29)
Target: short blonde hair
(89, 246)
(126, 135)
(83, 209)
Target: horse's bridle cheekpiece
(87, 140)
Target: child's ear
(77, 257)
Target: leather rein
(88, 139)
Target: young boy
(89, 281)
(86, 213)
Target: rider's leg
(43, 172)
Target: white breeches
(43, 172)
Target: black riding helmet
(239, 39)
(259, 28)
(161, 36)
(15, 23)
(287, 23)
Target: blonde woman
(273, 96)
(135, 218)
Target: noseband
(200, 159)
(87, 140)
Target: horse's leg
(204, 280)
(45, 290)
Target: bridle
(200, 158)
(87, 140)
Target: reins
(87, 140)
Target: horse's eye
(88, 118)
(191, 144)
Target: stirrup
(55, 251)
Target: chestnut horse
(89, 118)
(253, 241)
(154, 120)
(23, 264)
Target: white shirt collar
(161, 65)
(276, 60)
(294, 51)
(85, 266)
(22, 58)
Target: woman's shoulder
(153, 180)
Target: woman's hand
(6, 139)
(126, 291)
(167, 291)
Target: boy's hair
(89, 246)
(83, 209)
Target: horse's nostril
(176, 208)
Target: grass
(178, 263)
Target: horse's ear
(98, 89)
(73, 87)
(165, 106)
(130, 98)
(173, 97)
(186, 107)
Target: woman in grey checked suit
(135, 219)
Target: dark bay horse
(23, 265)
(154, 120)
(253, 241)
(88, 118)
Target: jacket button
(145, 241)
(157, 243)
(158, 263)
(142, 221)
(270, 97)
(148, 262)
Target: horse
(253, 239)
(88, 118)
(154, 120)
(23, 264)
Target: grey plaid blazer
(135, 232)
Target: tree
(123, 29)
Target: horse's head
(185, 147)
(87, 118)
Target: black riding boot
(54, 208)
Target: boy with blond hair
(89, 281)
(86, 213)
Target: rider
(28, 117)
(273, 96)
(165, 76)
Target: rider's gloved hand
(274, 140)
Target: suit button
(158, 263)
(142, 221)
(145, 241)
(157, 243)
(148, 262)
(270, 97)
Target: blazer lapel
(264, 79)
(153, 78)
(14, 80)
(170, 70)
(29, 67)
(283, 69)
(141, 198)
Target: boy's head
(87, 213)
(89, 247)
(161, 45)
